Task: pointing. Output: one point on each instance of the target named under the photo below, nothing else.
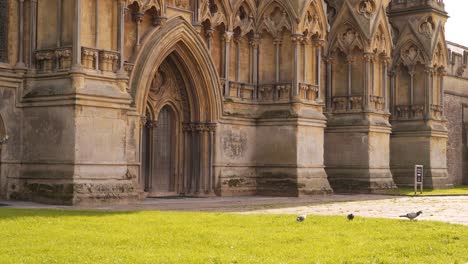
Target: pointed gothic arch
(180, 65)
(193, 56)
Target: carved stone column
(350, 61)
(367, 80)
(209, 38)
(20, 63)
(392, 91)
(442, 74)
(76, 57)
(227, 55)
(318, 44)
(428, 94)
(329, 94)
(254, 43)
(59, 23)
(277, 43)
(385, 62)
(138, 18)
(120, 39)
(296, 41)
(32, 32)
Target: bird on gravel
(301, 218)
(412, 216)
(350, 217)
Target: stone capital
(228, 36)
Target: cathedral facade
(117, 100)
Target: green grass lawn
(48, 236)
(459, 190)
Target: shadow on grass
(16, 213)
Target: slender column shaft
(32, 32)
(227, 55)
(20, 62)
(238, 60)
(96, 25)
(193, 155)
(211, 169)
(392, 92)
(411, 87)
(318, 72)
(304, 61)
(329, 85)
(209, 38)
(428, 94)
(296, 39)
(254, 43)
(59, 23)
(442, 91)
(384, 85)
(77, 36)
(372, 81)
(138, 19)
(350, 82)
(277, 60)
(120, 37)
(367, 81)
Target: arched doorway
(175, 85)
(177, 147)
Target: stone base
(357, 155)
(348, 180)
(419, 143)
(433, 178)
(292, 182)
(73, 193)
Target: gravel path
(452, 209)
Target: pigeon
(301, 218)
(350, 217)
(411, 216)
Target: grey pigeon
(301, 218)
(350, 217)
(411, 216)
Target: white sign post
(418, 178)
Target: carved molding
(367, 8)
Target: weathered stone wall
(456, 112)
(10, 154)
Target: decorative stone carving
(312, 25)
(437, 111)
(108, 60)
(45, 60)
(427, 27)
(275, 25)
(147, 4)
(411, 56)
(308, 92)
(210, 10)
(234, 144)
(182, 4)
(349, 39)
(129, 67)
(406, 112)
(355, 103)
(89, 57)
(367, 8)
(64, 58)
(377, 102)
(340, 104)
(158, 82)
(244, 21)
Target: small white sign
(418, 178)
